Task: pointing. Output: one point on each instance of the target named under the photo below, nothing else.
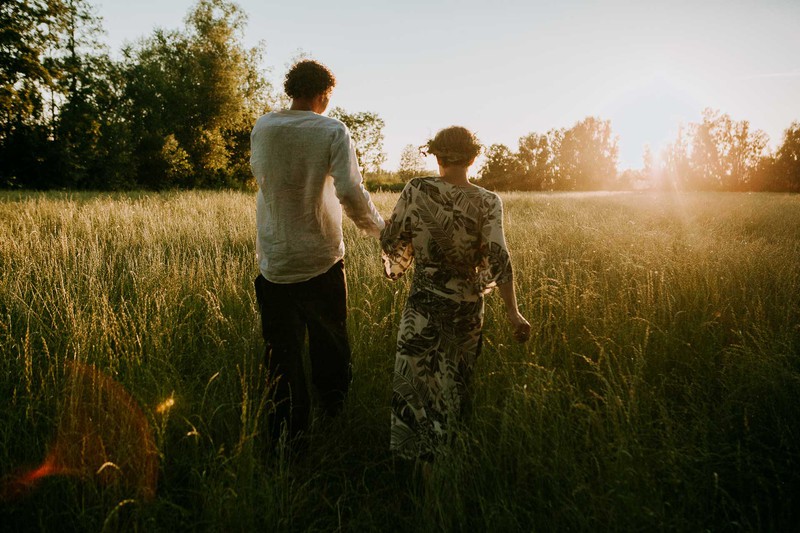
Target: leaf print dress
(455, 235)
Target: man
(307, 171)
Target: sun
(648, 112)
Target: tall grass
(657, 393)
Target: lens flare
(102, 435)
(166, 405)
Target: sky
(506, 68)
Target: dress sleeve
(397, 251)
(495, 266)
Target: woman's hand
(520, 327)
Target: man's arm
(258, 154)
(349, 186)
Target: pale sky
(506, 68)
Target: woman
(454, 230)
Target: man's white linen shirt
(306, 168)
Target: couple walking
(307, 174)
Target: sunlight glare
(102, 435)
(166, 405)
(648, 112)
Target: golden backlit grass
(658, 392)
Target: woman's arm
(521, 327)
(397, 251)
(498, 270)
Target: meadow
(659, 390)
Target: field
(659, 391)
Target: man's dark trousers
(288, 310)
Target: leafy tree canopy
(366, 129)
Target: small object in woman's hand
(522, 332)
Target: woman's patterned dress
(455, 233)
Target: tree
(501, 169)
(27, 32)
(587, 158)
(538, 160)
(366, 130)
(56, 94)
(706, 159)
(176, 112)
(412, 164)
(85, 104)
(676, 168)
(192, 100)
(21, 43)
(744, 154)
(786, 170)
(725, 154)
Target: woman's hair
(307, 79)
(453, 146)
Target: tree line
(714, 154)
(176, 110)
(719, 153)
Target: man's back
(306, 168)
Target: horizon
(647, 68)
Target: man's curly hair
(307, 79)
(453, 146)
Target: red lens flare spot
(102, 435)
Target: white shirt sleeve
(258, 153)
(349, 185)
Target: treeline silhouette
(176, 112)
(714, 154)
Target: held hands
(520, 327)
